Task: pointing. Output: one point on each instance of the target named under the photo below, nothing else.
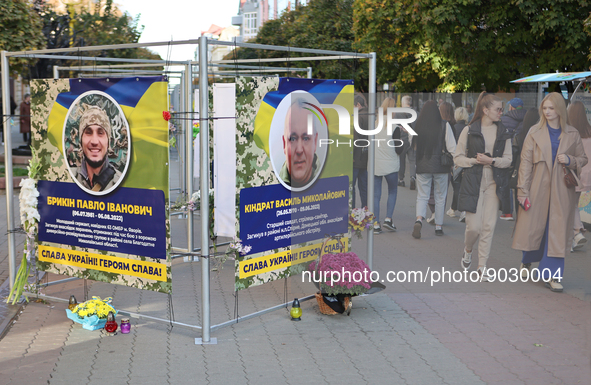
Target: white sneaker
(555, 286)
(579, 241)
(451, 213)
(463, 217)
(431, 220)
(466, 260)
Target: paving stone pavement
(411, 333)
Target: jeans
(392, 180)
(360, 176)
(424, 190)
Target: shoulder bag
(569, 178)
(447, 158)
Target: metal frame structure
(203, 43)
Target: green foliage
(106, 26)
(470, 43)
(322, 24)
(20, 30)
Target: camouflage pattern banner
(292, 176)
(103, 185)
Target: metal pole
(188, 107)
(204, 179)
(56, 73)
(180, 146)
(77, 50)
(371, 153)
(291, 59)
(309, 72)
(4, 68)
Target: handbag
(569, 179)
(447, 158)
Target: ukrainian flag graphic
(142, 100)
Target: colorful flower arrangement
(360, 219)
(95, 306)
(342, 273)
(92, 314)
(29, 220)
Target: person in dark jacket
(484, 151)
(360, 153)
(6, 119)
(25, 119)
(434, 135)
(513, 121)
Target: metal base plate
(212, 341)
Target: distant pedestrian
(408, 151)
(532, 117)
(387, 164)
(484, 152)
(551, 148)
(470, 111)
(7, 119)
(513, 121)
(577, 116)
(360, 153)
(25, 119)
(434, 136)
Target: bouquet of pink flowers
(342, 273)
(360, 219)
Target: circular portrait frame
(276, 150)
(119, 146)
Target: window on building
(250, 25)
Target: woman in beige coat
(544, 232)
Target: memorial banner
(103, 189)
(292, 180)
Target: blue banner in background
(128, 221)
(272, 217)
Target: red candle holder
(111, 325)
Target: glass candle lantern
(72, 303)
(125, 326)
(111, 325)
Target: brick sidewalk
(412, 333)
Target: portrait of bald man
(299, 146)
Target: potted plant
(339, 277)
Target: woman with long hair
(484, 152)
(387, 164)
(434, 136)
(546, 216)
(577, 117)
